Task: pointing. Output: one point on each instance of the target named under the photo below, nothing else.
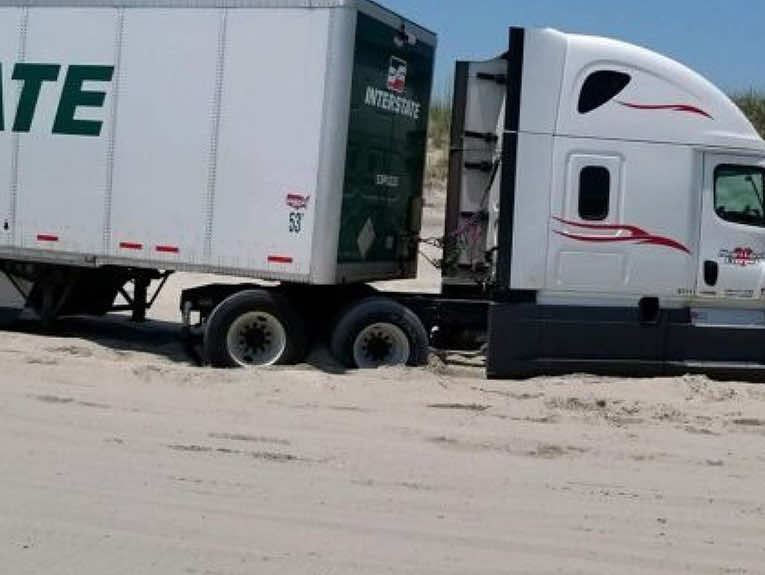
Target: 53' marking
(296, 222)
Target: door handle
(711, 273)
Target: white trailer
(196, 136)
(606, 205)
(279, 140)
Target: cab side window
(740, 194)
(594, 193)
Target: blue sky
(723, 40)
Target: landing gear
(140, 298)
(53, 291)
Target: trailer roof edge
(369, 7)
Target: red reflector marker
(46, 238)
(130, 246)
(279, 260)
(168, 249)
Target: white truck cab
(615, 199)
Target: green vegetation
(752, 103)
(438, 146)
(440, 123)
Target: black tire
(377, 310)
(216, 348)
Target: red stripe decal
(46, 238)
(670, 107)
(279, 260)
(636, 234)
(168, 249)
(130, 246)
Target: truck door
(732, 244)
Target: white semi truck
(605, 206)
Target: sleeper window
(739, 194)
(594, 193)
(601, 87)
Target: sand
(118, 455)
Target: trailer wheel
(377, 332)
(254, 328)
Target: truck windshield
(740, 194)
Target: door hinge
(488, 137)
(480, 166)
(500, 79)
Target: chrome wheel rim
(381, 344)
(256, 339)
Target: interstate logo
(397, 75)
(392, 99)
(34, 78)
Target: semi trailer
(605, 204)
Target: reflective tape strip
(131, 246)
(279, 260)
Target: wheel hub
(381, 344)
(378, 347)
(256, 338)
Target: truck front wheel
(379, 332)
(254, 328)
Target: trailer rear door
(392, 78)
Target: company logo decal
(743, 257)
(298, 201)
(392, 99)
(634, 234)
(397, 75)
(687, 108)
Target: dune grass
(752, 103)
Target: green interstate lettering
(33, 76)
(74, 97)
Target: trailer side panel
(164, 129)
(268, 155)
(62, 156)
